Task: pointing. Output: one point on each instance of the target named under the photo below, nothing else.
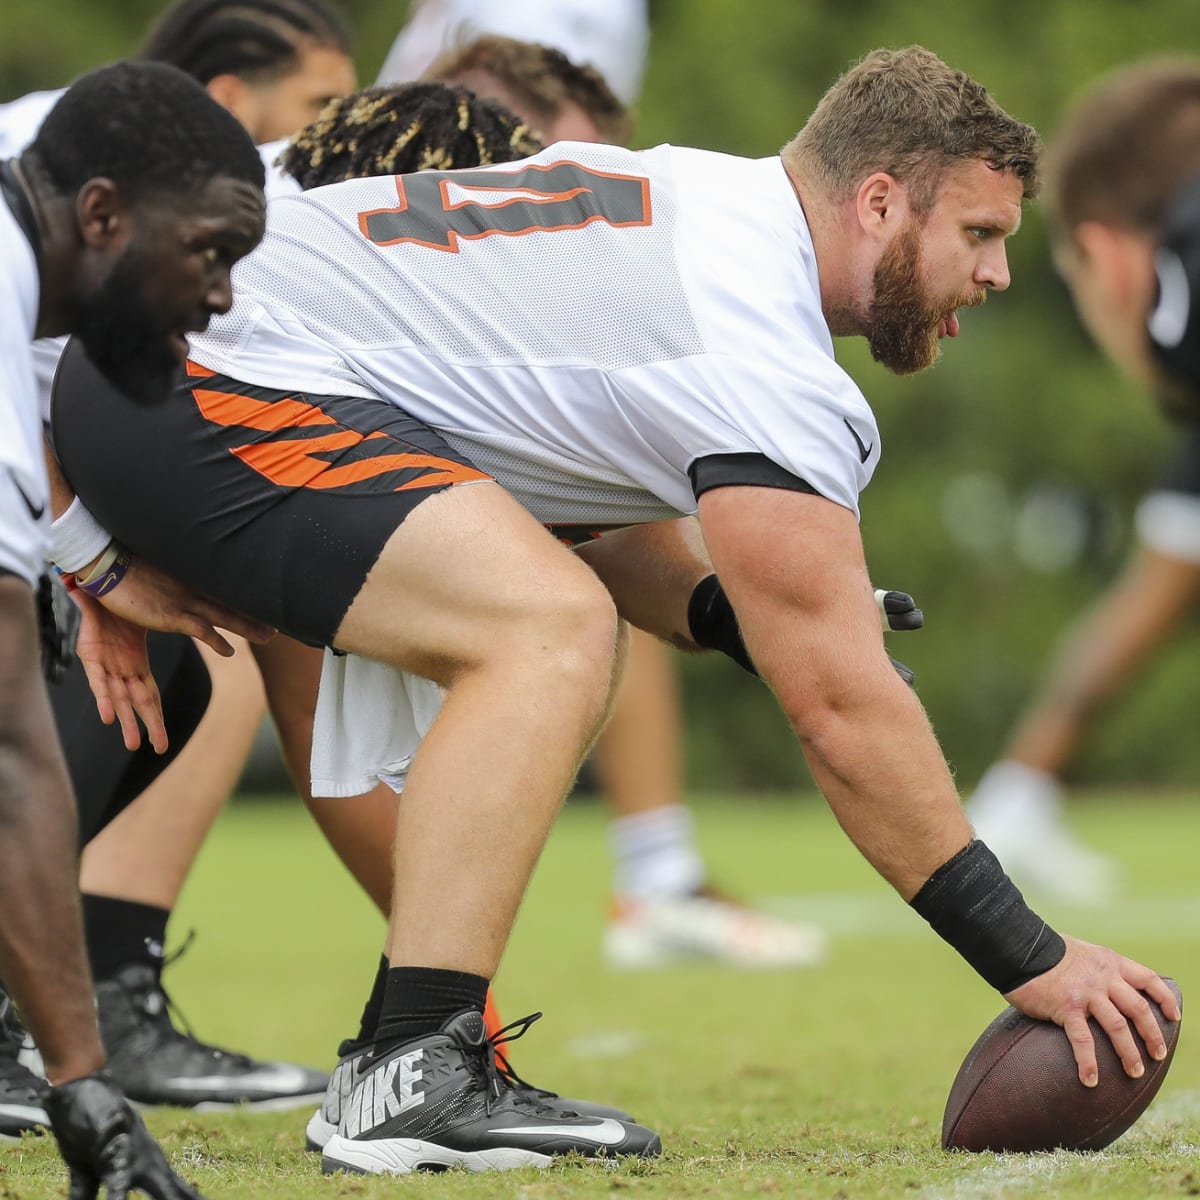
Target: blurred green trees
(1010, 471)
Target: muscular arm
(1115, 637)
(41, 937)
(793, 566)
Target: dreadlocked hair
(402, 129)
(256, 40)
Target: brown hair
(1126, 145)
(906, 113)
(535, 80)
(405, 128)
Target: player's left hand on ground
(150, 597)
(112, 652)
(104, 1143)
(898, 610)
(1093, 981)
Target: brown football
(1019, 1089)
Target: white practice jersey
(585, 324)
(24, 488)
(19, 122)
(21, 119)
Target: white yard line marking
(1023, 1174)
(1171, 1113)
(1031, 1174)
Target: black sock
(419, 1000)
(120, 932)
(370, 1013)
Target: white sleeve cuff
(77, 538)
(1169, 522)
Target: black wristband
(713, 624)
(972, 904)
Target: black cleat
(323, 1124)
(440, 1101)
(155, 1063)
(22, 1093)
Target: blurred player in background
(1124, 198)
(1018, 806)
(703, 381)
(610, 36)
(125, 236)
(273, 64)
(665, 908)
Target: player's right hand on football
(105, 1143)
(1093, 981)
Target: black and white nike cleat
(155, 1063)
(323, 1124)
(22, 1093)
(441, 1101)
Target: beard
(902, 321)
(122, 336)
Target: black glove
(104, 1142)
(899, 610)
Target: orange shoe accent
(491, 1015)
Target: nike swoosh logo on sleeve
(35, 510)
(864, 451)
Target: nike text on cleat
(21, 1091)
(441, 1101)
(155, 1063)
(323, 1124)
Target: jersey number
(436, 208)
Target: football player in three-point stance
(620, 339)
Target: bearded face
(905, 323)
(125, 336)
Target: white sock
(655, 853)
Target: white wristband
(76, 538)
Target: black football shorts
(277, 503)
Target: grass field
(827, 1083)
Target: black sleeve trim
(743, 470)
